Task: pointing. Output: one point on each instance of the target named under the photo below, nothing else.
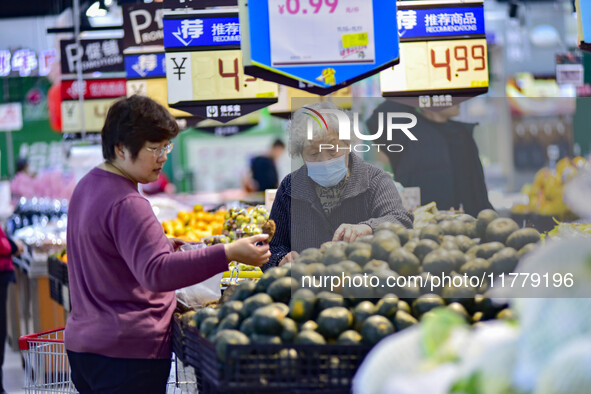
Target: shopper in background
(263, 169)
(122, 269)
(335, 196)
(443, 162)
(23, 182)
(8, 248)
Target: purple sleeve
(141, 242)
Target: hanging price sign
(204, 67)
(443, 54)
(584, 24)
(319, 46)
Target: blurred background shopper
(122, 268)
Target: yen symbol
(179, 68)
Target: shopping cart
(47, 369)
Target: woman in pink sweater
(122, 269)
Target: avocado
(482, 221)
(244, 290)
(316, 269)
(500, 229)
(375, 328)
(487, 250)
(203, 314)
(476, 267)
(350, 337)
(504, 261)
(375, 266)
(247, 326)
(290, 330)
(463, 295)
(298, 271)
(472, 252)
(432, 232)
(333, 321)
(484, 305)
(465, 218)
(403, 235)
(362, 311)
(449, 245)
(438, 262)
(357, 293)
(525, 250)
(404, 262)
(522, 237)
(453, 227)
(312, 253)
(425, 303)
(424, 247)
(208, 326)
(403, 320)
(427, 286)
(409, 292)
(471, 230)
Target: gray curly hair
(298, 126)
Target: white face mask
(327, 173)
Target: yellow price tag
(355, 40)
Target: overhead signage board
(285, 106)
(198, 4)
(142, 25)
(145, 65)
(584, 24)
(319, 46)
(443, 54)
(97, 55)
(204, 69)
(93, 88)
(95, 113)
(25, 62)
(11, 117)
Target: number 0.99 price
(295, 7)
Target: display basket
(57, 269)
(46, 363)
(55, 291)
(287, 368)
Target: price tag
(346, 28)
(156, 89)
(95, 113)
(438, 65)
(443, 54)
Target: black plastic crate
(178, 340)
(286, 368)
(57, 269)
(55, 290)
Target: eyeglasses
(159, 152)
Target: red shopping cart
(47, 369)
(46, 363)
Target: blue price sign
(318, 45)
(190, 32)
(440, 22)
(147, 65)
(584, 24)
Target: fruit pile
(277, 309)
(195, 225)
(244, 222)
(545, 193)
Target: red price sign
(438, 65)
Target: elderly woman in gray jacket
(334, 196)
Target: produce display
(196, 225)
(279, 310)
(244, 222)
(545, 194)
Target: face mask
(327, 173)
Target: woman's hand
(176, 243)
(247, 251)
(351, 232)
(288, 258)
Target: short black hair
(278, 144)
(21, 164)
(134, 120)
